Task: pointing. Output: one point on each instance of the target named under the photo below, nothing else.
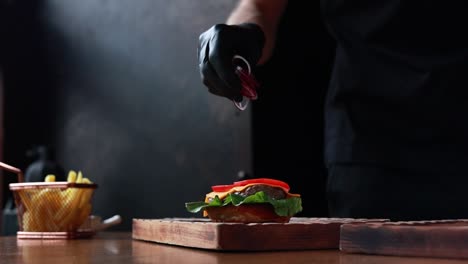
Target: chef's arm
(266, 14)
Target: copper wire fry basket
(54, 210)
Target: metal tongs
(248, 82)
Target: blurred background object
(114, 87)
(9, 219)
(43, 164)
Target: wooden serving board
(440, 239)
(299, 234)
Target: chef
(396, 112)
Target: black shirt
(398, 94)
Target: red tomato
(222, 188)
(263, 180)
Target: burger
(256, 200)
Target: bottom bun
(245, 213)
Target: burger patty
(274, 192)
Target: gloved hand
(216, 49)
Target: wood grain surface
(439, 239)
(298, 234)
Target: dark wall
(128, 107)
(29, 96)
(114, 87)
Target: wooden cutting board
(299, 234)
(442, 239)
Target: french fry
(25, 197)
(50, 178)
(85, 197)
(68, 210)
(53, 205)
(86, 180)
(54, 210)
(79, 179)
(29, 223)
(69, 201)
(71, 176)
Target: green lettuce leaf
(283, 207)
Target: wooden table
(119, 247)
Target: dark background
(113, 88)
(288, 117)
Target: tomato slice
(222, 188)
(263, 180)
(227, 187)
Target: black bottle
(44, 164)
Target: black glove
(216, 49)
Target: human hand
(216, 49)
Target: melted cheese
(223, 195)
